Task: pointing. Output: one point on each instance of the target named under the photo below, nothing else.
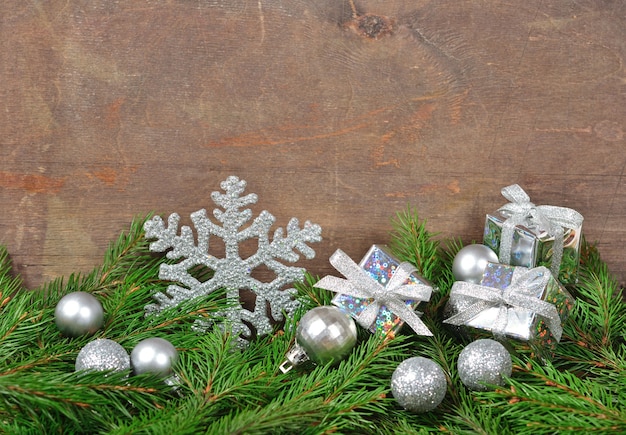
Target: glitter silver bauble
(326, 334)
(153, 355)
(484, 362)
(103, 355)
(418, 384)
(79, 313)
(470, 262)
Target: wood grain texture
(112, 110)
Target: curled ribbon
(361, 285)
(522, 293)
(550, 218)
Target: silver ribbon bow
(393, 296)
(550, 218)
(522, 293)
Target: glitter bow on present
(526, 284)
(550, 218)
(393, 296)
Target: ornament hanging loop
(294, 357)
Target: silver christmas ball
(79, 313)
(154, 355)
(470, 262)
(103, 355)
(484, 362)
(326, 334)
(418, 384)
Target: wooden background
(336, 114)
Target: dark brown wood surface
(336, 112)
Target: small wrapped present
(527, 235)
(514, 302)
(381, 293)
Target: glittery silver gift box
(521, 324)
(533, 246)
(380, 265)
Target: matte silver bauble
(103, 355)
(79, 313)
(470, 262)
(154, 355)
(482, 363)
(326, 334)
(418, 384)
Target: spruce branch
(542, 399)
(598, 292)
(410, 241)
(220, 388)
(37, 369)
(9, 284)
(470, 416)
(594, 336)
(311, 296)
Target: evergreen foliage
(221, 389)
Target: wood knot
(371, 26)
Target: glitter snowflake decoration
(232, 272)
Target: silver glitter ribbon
(393, 296)
(550, 218)
(522, 293)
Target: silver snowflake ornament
(232, 272)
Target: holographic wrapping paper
(522, 324)
(532, 246)
(380, 264)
